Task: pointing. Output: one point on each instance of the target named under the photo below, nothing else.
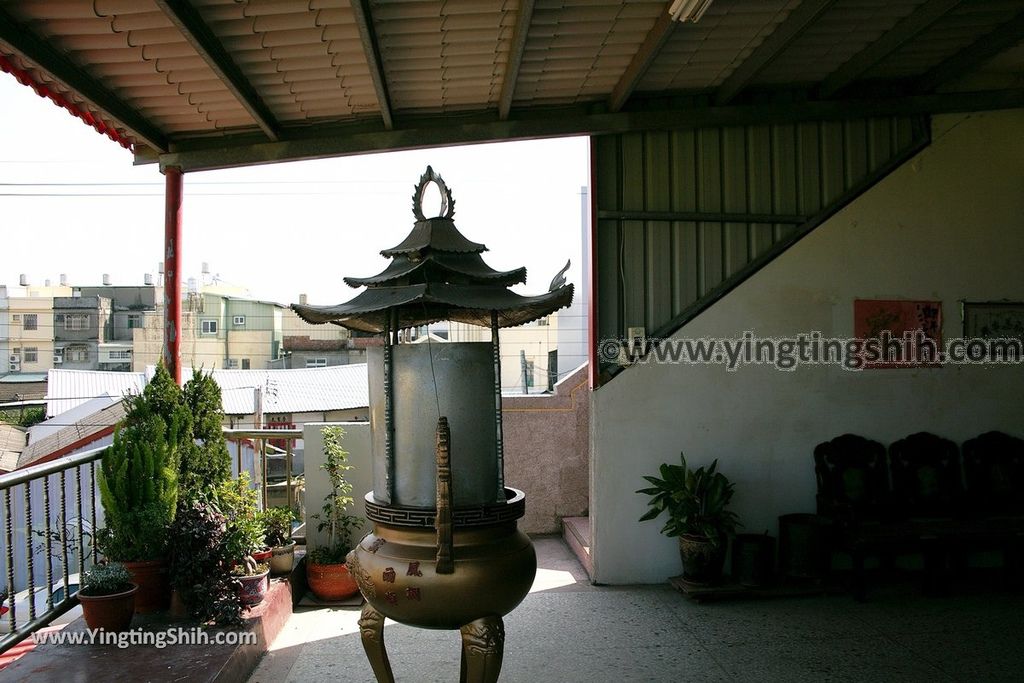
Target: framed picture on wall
(993, 320)
(898, 333)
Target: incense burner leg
(483, 645)
(371, 628)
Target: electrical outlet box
(636, 333)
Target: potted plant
(696, 502)
(139, 487)
(107, 597)
(252, 577)
(205, 461)
(200, 564)
(326, 573)
(243, 538)
(278, 537)
(201, 567)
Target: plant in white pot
(278, 537)
(696, 501)
(243, 537)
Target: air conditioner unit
(14, 358)
(14, 367)
(57, 360)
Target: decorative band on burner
(479, 516)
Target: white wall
(948, 225)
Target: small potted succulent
(107, 597)
(696, 501)
(326, 572)
(278, 537)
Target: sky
(72, 202)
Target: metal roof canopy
(205, 84)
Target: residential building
(572, 340)
(81, 324)
(316, 346)
(30, 345)
(218, 331)
(130, 304)
(529, 353)
(5, 331)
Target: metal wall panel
(684, 216)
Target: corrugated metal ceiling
(310, 63)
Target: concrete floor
(567, 631)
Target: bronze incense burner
(445, 551)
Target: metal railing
(30, 481)
(31, 488)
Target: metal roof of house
(12, 443)
(67, 389)
(75, 432)
(214, 83)
(304, 390)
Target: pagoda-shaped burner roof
(437, 274)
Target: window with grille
(76, 321)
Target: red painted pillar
(172, 275)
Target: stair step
(576, 532)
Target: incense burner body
(395, 569)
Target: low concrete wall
(547, 452)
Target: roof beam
(515, 57)
(973, 56)
(437, 131)
(774, 45)
(187, 19)
(902, 33)
(642, 60)
(371, 48)
(48, 58)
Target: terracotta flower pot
(154, 585)
(254, 589)
(330, 581)
(282, 559)
(262, 556)
(109, 612)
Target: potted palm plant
(278, 537)
(326, 573)
(107, 597)
(696, 501)
(139, 487)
